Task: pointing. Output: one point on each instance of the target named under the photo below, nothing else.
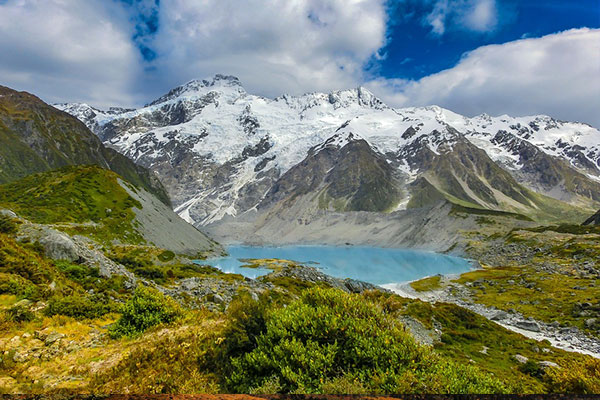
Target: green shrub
(19, 314)
(246, 322)
(575, 377)
(77, 272)
(328, 339)
(146, 308)
(532, 368)
(7, 225)
(19, 286)
(80, 307)
(166, 255)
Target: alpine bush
(330, 336)
(80, 307)
(146, 308)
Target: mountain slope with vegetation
(36, 137)
(94, 202)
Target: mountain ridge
(35, 137)
(220, 150)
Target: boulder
(58, 246)
(520, 358)
(528, 325)
(8, 213)
(499, 316)
(590, 322)
(53, 337)
(355, 286)
(548, 364)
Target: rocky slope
(222, 153)
(35, 137)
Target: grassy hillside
(301, 337)
(35, 137)
(85, 195)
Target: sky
(470, 56)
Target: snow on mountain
(219, 149)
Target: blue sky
(414, 51)
(472, 56)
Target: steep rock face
(345, 174)
(223, 152)
(35, 137)
(548, 173)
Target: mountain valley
(99, 290)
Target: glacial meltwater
(370, 264)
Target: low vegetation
(64, 327)
(329, 338)
(547, 273)
(427, 284)
(91, 202)
(145, 309)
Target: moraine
(375, 265)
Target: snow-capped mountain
(221, 151)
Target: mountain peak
(201, 87)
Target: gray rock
(520, 358)
(53, 337)
(528, 325)
(499, 316)
(58, 246)
(41, 335)
(355, 286)
(590, 322)
(8, 213)
(218, 299)
(23, 303)
(548, 364)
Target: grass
(553, 281)
(273, 264)
(470, 338)
(88, 198)
(427, 284)
(547, 297)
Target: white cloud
(557, 74)
(71, 50)
(471, 15)
(67, 49)
(285, 46)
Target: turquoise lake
(370, 264)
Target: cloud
(125, 52)
(470, 15)
(68, 49)
(285, 47)
(557, 74)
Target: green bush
(245, 322)
(77, 272)
(575, 377)
(80, 307)
(19, 314)
(330, 339)
(146, 308)
(166, 255)
(19, 286)
(7, 225)
(532, 368)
